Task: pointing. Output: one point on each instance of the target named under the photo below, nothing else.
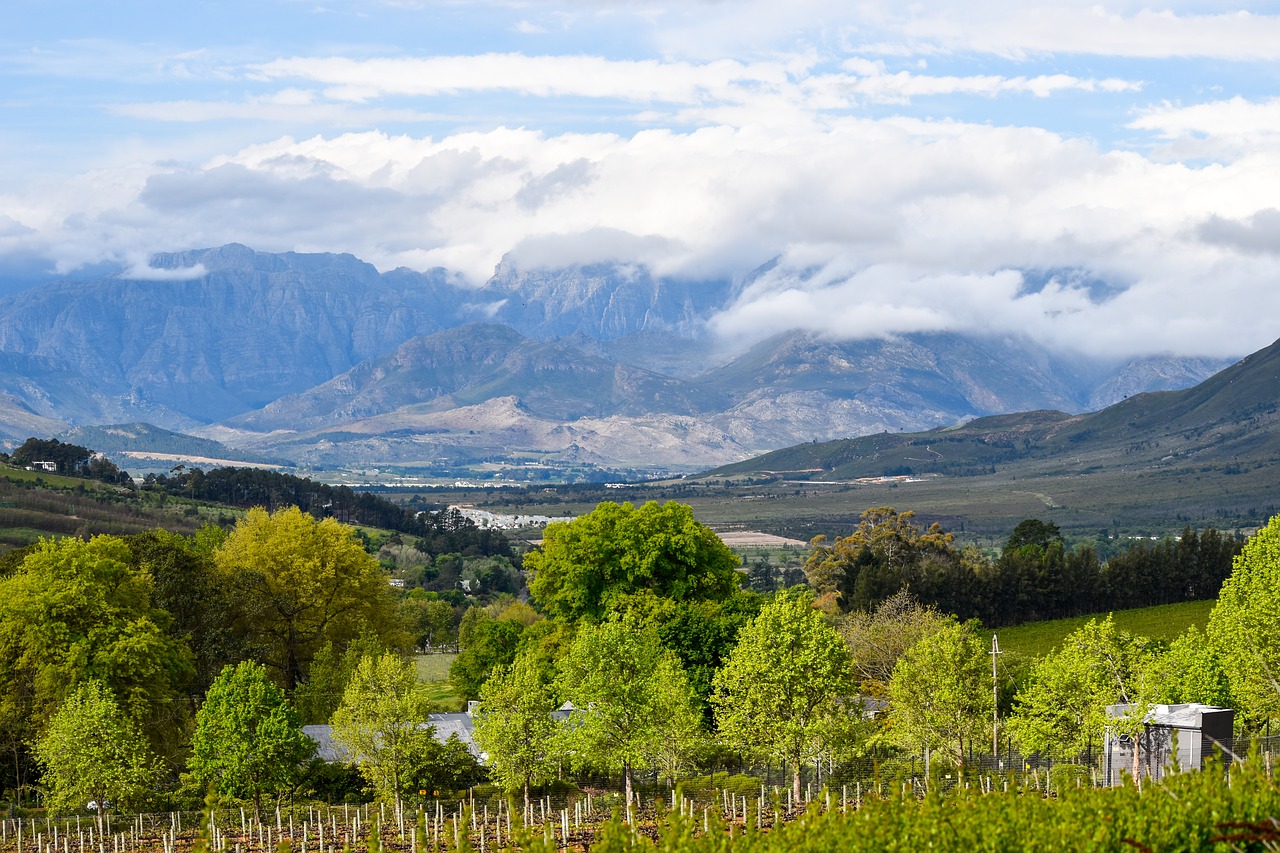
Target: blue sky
(912, 170)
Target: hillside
(1229, 419)
(324, 360)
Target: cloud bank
(954, 167)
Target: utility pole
(995, 701)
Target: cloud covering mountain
(943, 167)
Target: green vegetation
(1162, 623)
(203, 654)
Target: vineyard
(1217, 809)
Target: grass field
(1164, 622)
(433, 670)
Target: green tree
(330, 673)
(514, 726)
(185, 585)
(940, 693)
(881, 556)
(679, 739)
(782, 687)
(248, 738)
(586, 566)
(1190, 671)
(611, 674)
(1244, 627)
(300, 583)
(93, 751)
(383, 723)
(430, 620)
(1062, 710)
(81, 611)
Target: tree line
(638, 651)
(1035, 577)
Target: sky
(1103, 177)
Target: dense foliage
(1035, 577)
(442, 532)
(70, 460)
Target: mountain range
(323, 361)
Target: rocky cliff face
(251, 327)
(322, 357)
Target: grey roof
(1185, 716)
(445, 725)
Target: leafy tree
(939, 697)
(1244, 626)
(1190, 671)
(382, 722)
(430, 620)
(514, 726)
(330, 673)
(80, 611)
(783, 684)
(1062, 711)
(612, 674)
(248, 738)
(300, 583)
(492, 643)
(1035, 533)
(587, 565)
(880, 557)
(186, 586)
(93, 751)
(679, 738)
(877, 640)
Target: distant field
(433, 670)
(1164, 622)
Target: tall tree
(78, 611)
(612, 675)
(300, 583)
(383, 723)
(781, 688)
(880, 557)
(1244, 626)
(1062, 711)
(940, 695)
(514, 726)
(248, 738)
(588, 565)
(92, 751)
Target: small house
(1171, 738)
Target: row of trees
(1035, 577)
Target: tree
(877, 559)
(248, 738)
(331, 672)
(185, 585)
(1190, 671)
(492, 643)
(430, 620)
(1244, 627)
(783, 685)
(586, 566)
(92, 751)
(1062, 711)
(611, 674)
(514, 726)
(877, 640)
(679, 738)
(940, 696)
(383, 723)
(301, 583)
(80, 611)
(1033, 532)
